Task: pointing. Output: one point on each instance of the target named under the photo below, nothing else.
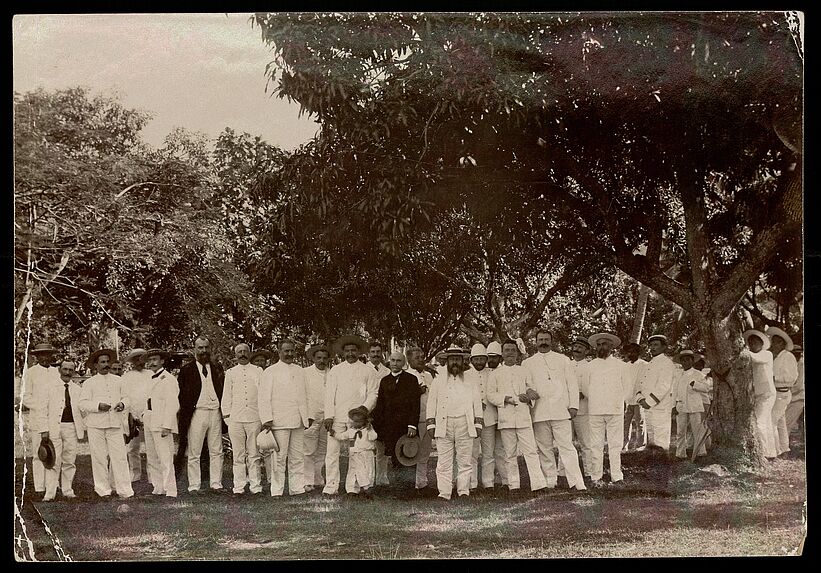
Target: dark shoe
(105, 497)
(194, 492)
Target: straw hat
(266, 441)
(408, 450)
(593, 340)
(764, 338)
(46, 453)
(92, 360)
(134, 354)
(341, 342)
(309, 354)
(657, 337)
(775, 331)
(44, 348)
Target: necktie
(68, 397)
(358, 434)
(376, 367)
(204, 371)
(66, 415)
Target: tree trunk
(641, 310)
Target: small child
(361, 438)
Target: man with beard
(136, 382)
(102, 399)
(579, 350)
(397, 407)
(283, 405)
(605, 382)
(454, 414)
(785, 375)
(201, 383)
(316, 376)
(416, 366)
(350, 384)
(507, 390)
(240, 410)
(656, 393)
(36, 382)
(554, 380)
(635, 437)
(160, 423)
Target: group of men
(482, 409)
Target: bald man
(397, 407)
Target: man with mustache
(316, 376)
(579, 350)
(160, 423)
(554, 380)
(655, 393)
(416, 366)
(102, 399)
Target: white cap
(478, 349)
(494, 348)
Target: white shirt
(36, 382)
(283, 397)
(798, 388)
(656, 383)
(349, 386)
(363, 442)
(164, 393)
(605, 382)
(240, 395)
(102, 389)
(580, 367)
(554, 379)
(459, 393)
(136, 384)
(636, 370)
(425, 380)
(315, 380)
(510, 381)
(688, 399)
(380, 371)
(453, 397)
(785, 370)
(479, 378)
(208, 396)
(763, 384)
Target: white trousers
(659, 425)
(381, 465)
(559, 433)
(290, 457)
(611, 428)
(794, 411)
(332, 459)
(422, 464)
(65, 449)
(246, 456)
(456, 439)
(38, 470)
(688, 426)
(493, 456)
(316, 461)
(764, 430)
(581, 428)
(360, 471)
(522, 439)
(106, 443)
(159, 455)
(782, 434)
(205, 424)
(135, 463)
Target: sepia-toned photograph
(408, 285)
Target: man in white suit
(316, 375)
(454, 414)
(102, 399)
(283, 405)
(160, 423)
(554, 380)
(61, 421)
(136, 382)
(655, 393)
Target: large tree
(658, 136)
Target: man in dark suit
(201, 383)
(397, 406)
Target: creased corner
(795, 21)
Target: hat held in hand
(46, 453)
(408, 450)
(266, 441)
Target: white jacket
(583, 401)
(636, 370)
(103, 389)
(438, 406)
(240, 394)
(763, 384)
(785, 370)
(554, 379)
(656, 383)
(425, 381)
(349, 386)
(480, 379)
(283, 397)
(47, 417)
(605, 382)
(315, 380)
(164, 393)
(510, 381)
(136, 384)
(687, 398)
(36, 382)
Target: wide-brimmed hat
(580, 340)
(593, 340)
(92, 360)
(342, 341)
(657, 337)
(775, 331)
(156, 352)
(453, 350)
(261, 352)
(46, 453)
(311, 438)
(134, 354)
(266, 441)
(764, 338)
(408, 450)
(309, 354)
(478, 349)
(133, 429)
(44, 348)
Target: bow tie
(358, 434)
